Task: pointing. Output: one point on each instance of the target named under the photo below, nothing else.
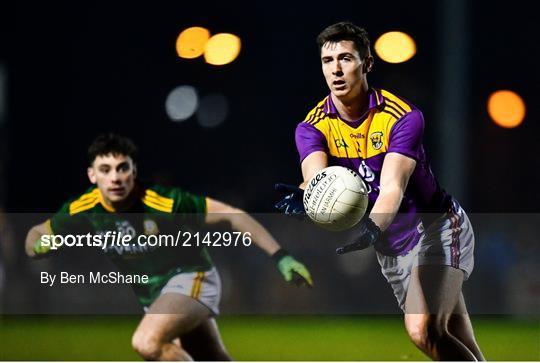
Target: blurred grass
(259, 338)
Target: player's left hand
(292, 203)
(368, 234)
(291, 269)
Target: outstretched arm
(292, 202)
(33, 246)
(313, 163)
(240, 221)
(395, 174)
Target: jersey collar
(138, 193)
(376, 99)
(104, 204)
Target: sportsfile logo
(312, 185)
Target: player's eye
(123, 167)
(104, 170)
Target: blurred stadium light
(213, 110)
(181, 103)
(506, 108)
(222, 48)
(395, 47)
(191, 42)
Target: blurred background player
(380, 135)
(184, 288)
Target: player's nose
(337, 71)
(115, 176)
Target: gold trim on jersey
(103, 203)
(315, 114)
(48, 226)
(370, 138)
(197, 284)
(85, 202)
(395, 101)
(156, 201)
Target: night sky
(75, 70)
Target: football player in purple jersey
(379, 135)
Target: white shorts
(448, 241)
(204, 286)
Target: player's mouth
(339, 84)
(117, 191)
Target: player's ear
(368, 63)
(135, 170)
(91, 175)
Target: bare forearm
(243, 222)
(31, 238)
(386, 207)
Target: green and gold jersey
(157, 210)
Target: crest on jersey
(376, 140)
(150, 227)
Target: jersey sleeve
(189, 203)
(406, 135)
(191, 206)
(308, 140)
(63, 223)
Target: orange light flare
(506, 108)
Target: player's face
(114, 176)
(343, 68)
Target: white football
(336, 198)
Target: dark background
(75, 70)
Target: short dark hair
(346, 30)
(106, 144)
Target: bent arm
(33, 235)
(395, 174)
(314, 162)
(241, 221)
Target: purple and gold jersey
(390, 124)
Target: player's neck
(351, 109)
(123, 205)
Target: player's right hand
(292, 203)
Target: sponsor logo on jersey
(340, 143)
(376, 139)
(357, 135)
(367, 174)
(420, 228)
(124, 227)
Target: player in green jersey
(182, 294)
